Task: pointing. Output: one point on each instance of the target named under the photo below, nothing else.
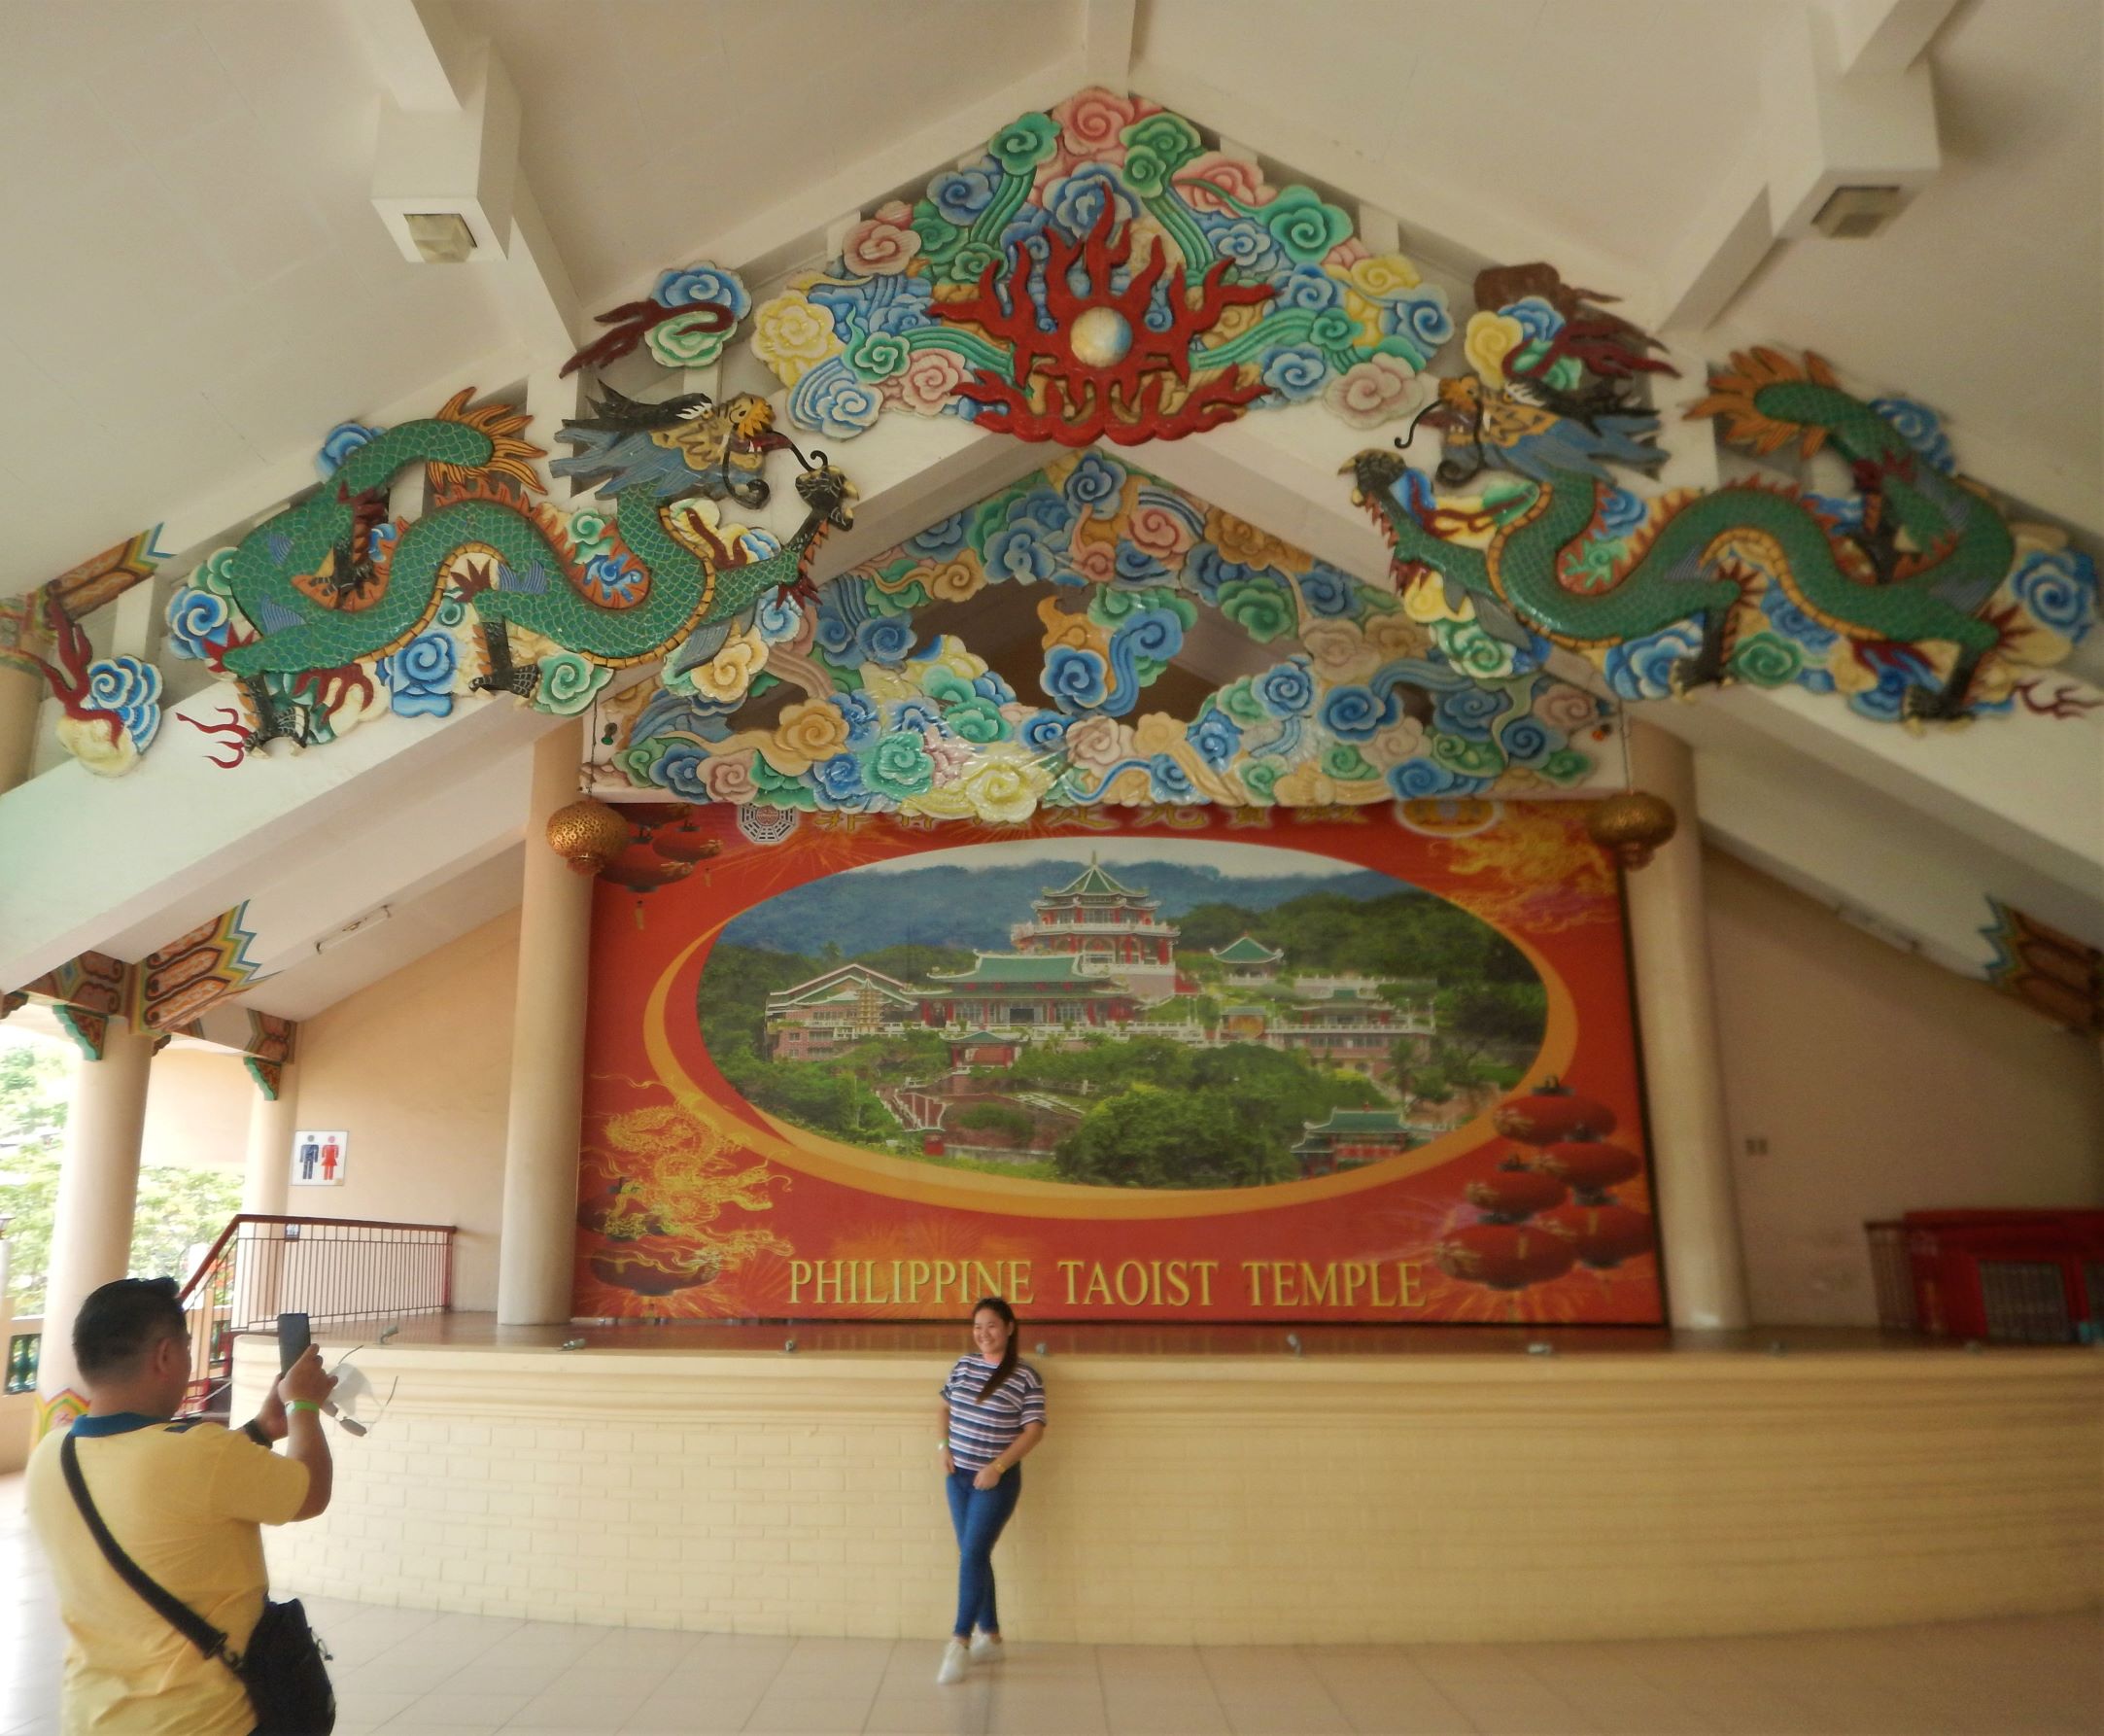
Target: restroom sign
(319, 1158)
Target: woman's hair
(994, 1304)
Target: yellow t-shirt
(184, 1500)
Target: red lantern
(1513, 1194)
(1600, 1236)
(1550, 1112)
(685, 843)
(641, 869)
(1590, 1165)
(1502, 1256)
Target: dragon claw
(519, 682)
(1932, 705)
(1689, 674)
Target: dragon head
(827, 493)
(750, 415)
(1456, 410)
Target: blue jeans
(979, 1515)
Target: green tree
(1013, 1125)
(34, 1093)
(177, 1209)
(1145, 1138)
(29, 1198)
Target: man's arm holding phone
(292, 1412)
(304, 1388)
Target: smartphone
(294, 1334)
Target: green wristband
(302, 1404)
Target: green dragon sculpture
(1932, 550)
(326, 590)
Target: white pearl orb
(1100, 337)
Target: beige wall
(196, 1110)
(1223, 1499)
(416, 1068)
(1882, 1084)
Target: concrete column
(1705, 1281)
(541, 1129)
(265, 1179)
(98, 1191)
(20, 695)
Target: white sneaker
(955, 1659)
(986, 1649)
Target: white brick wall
(1365, 1499)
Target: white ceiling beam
(1107, 42)
(538, 295)
(449, 140)
(1842, 103)
(1885, 35)
(149, 855)
(1718, 255)
(405, 38)
(1857, 847)
(398, 851)
(1828, 127)
(2028, 787)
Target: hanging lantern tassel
(1631, 825)
(587, 834)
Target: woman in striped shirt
(993, 1413)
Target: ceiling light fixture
(442, 237)
(1850, 213)
(372, 918)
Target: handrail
(331, 1269)
(235, 1223)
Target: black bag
(284, 1668)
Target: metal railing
(332, 1269)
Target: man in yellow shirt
(184, 1500)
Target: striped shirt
(981, 1430)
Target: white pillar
(541, 1129)
(1705, 1283)
(265, 1178)
(98, 1191)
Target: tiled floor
(409, 1672)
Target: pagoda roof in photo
(1094, 882)
(1062, 970)
(1360, 1121)
(847, 978)
(1247, 951)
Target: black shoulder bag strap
(193, 1627)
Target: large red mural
(1368, 1064)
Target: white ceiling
(1987, 297)
(197, 284)
(196, 280)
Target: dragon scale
(301, 632)
(683, 592)
(1963, 546)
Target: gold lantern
(587, 834)
(1632, 825)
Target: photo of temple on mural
(1151, 1014)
